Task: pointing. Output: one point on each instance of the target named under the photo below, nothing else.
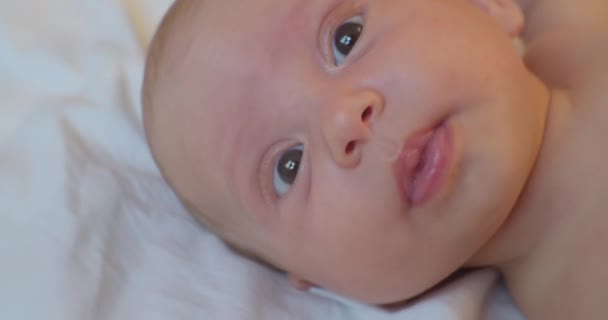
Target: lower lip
(422, 166)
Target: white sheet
(88, 229)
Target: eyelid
(337, 15)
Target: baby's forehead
(214, 70)
(228, 55)
(245, 25)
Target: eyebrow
(321, 9)
(296, 10)
(247, 154)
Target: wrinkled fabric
(89, 230)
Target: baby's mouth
(421, 166)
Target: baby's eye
(346, 37)
(286, 170)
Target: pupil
(289, 165)
(347, 36)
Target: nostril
(350, 147)
(367, 114)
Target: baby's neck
(550, 246)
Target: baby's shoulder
(586, 84)
(568, 43)
(588, 61)
(572, 60)
(575, 62)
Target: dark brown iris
(288, 166)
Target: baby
(374, 147)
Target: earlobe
(507, 13)
(300, 284)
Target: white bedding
(88, 229)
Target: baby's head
(371, 147)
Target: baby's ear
(507, 13)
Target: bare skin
(562, 218)
(544, 228)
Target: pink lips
(421, 167)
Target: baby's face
(373, 147)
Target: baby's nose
(348, 126)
